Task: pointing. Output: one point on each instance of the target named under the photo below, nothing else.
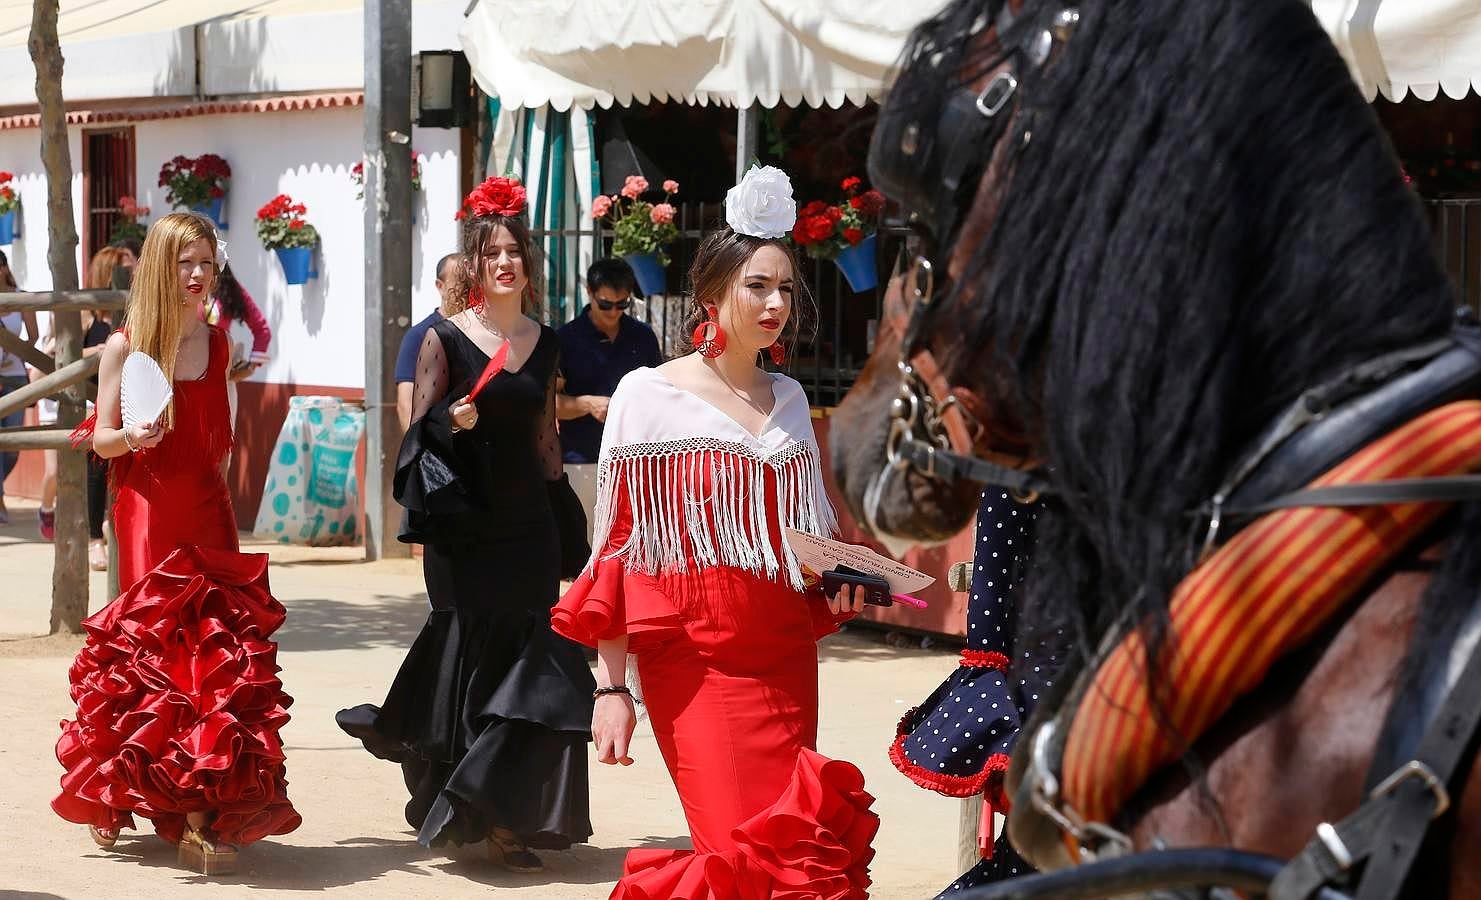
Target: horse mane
(1206, 220)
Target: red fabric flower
(853, 236)
(6, 176)
(851, 184)
(498, 196)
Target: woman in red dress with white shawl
(705, 460)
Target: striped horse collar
(1389, 399)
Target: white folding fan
(145, 392)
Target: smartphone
(877, 589)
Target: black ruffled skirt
(490, 713)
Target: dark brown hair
(476, 232)
(720, 261)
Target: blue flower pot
(651, 278)
(297, 261)
(215, 210)
(7, 228)
(857, 264)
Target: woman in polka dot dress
(958, 741)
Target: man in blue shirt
(598, 347)
(411, 343)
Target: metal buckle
(1332, 841)
(1416, 769)
(996, 94)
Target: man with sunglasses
(598, 347)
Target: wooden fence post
(69, 578)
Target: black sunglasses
(609, 305)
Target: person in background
(132, 247)
(598, 348)
(489, 714)
(102, 273)
(178, 701)
(411, 344)
(12, 374)
(231, 304)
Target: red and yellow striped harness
(1262, 595)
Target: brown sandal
(199, 853)
(507, 850)
(103, 837)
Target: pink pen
(911, 601)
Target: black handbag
(570, 523)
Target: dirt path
(349, 624)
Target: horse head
(1146, 228)
(910, 389)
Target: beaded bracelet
(128, 443)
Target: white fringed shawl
(695, 480)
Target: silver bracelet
(128, 443)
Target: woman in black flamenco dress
(490, 713)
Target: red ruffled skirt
(179, 704)
(729, 672)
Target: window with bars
(108, 174)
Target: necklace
(478, 314)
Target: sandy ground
(349, 623)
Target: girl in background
(490, 713)
(705, 460)
(178, 699)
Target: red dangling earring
(778, 354)
(475, 298)
(709, 339)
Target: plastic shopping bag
(311, 495)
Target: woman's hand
(848, 601)
(612, 724)
(464, 414)
(143, 435)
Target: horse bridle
(936, 179)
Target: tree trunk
(69, 582)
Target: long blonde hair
(154, 298)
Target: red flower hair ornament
(497, 196)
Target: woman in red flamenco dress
(178, 699)
(705, 460)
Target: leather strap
(1390, 828)
(951, 466)
(1447, 751)
(1450, 489)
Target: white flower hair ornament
(221, 257)
(762, 205)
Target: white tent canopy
(135, 49)
(736, 52)
(1396, 47)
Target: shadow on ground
(283, 867)
(867, 643)
(323, 623)
(582, 864)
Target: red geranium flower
(851, 184)
(815, 208)
(853, 236)
(869, 203)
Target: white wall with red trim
(319, 327)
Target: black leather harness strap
(1389, 829)
(1444, 489)
(951, 466)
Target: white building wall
(20, 154)
(318, 328)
